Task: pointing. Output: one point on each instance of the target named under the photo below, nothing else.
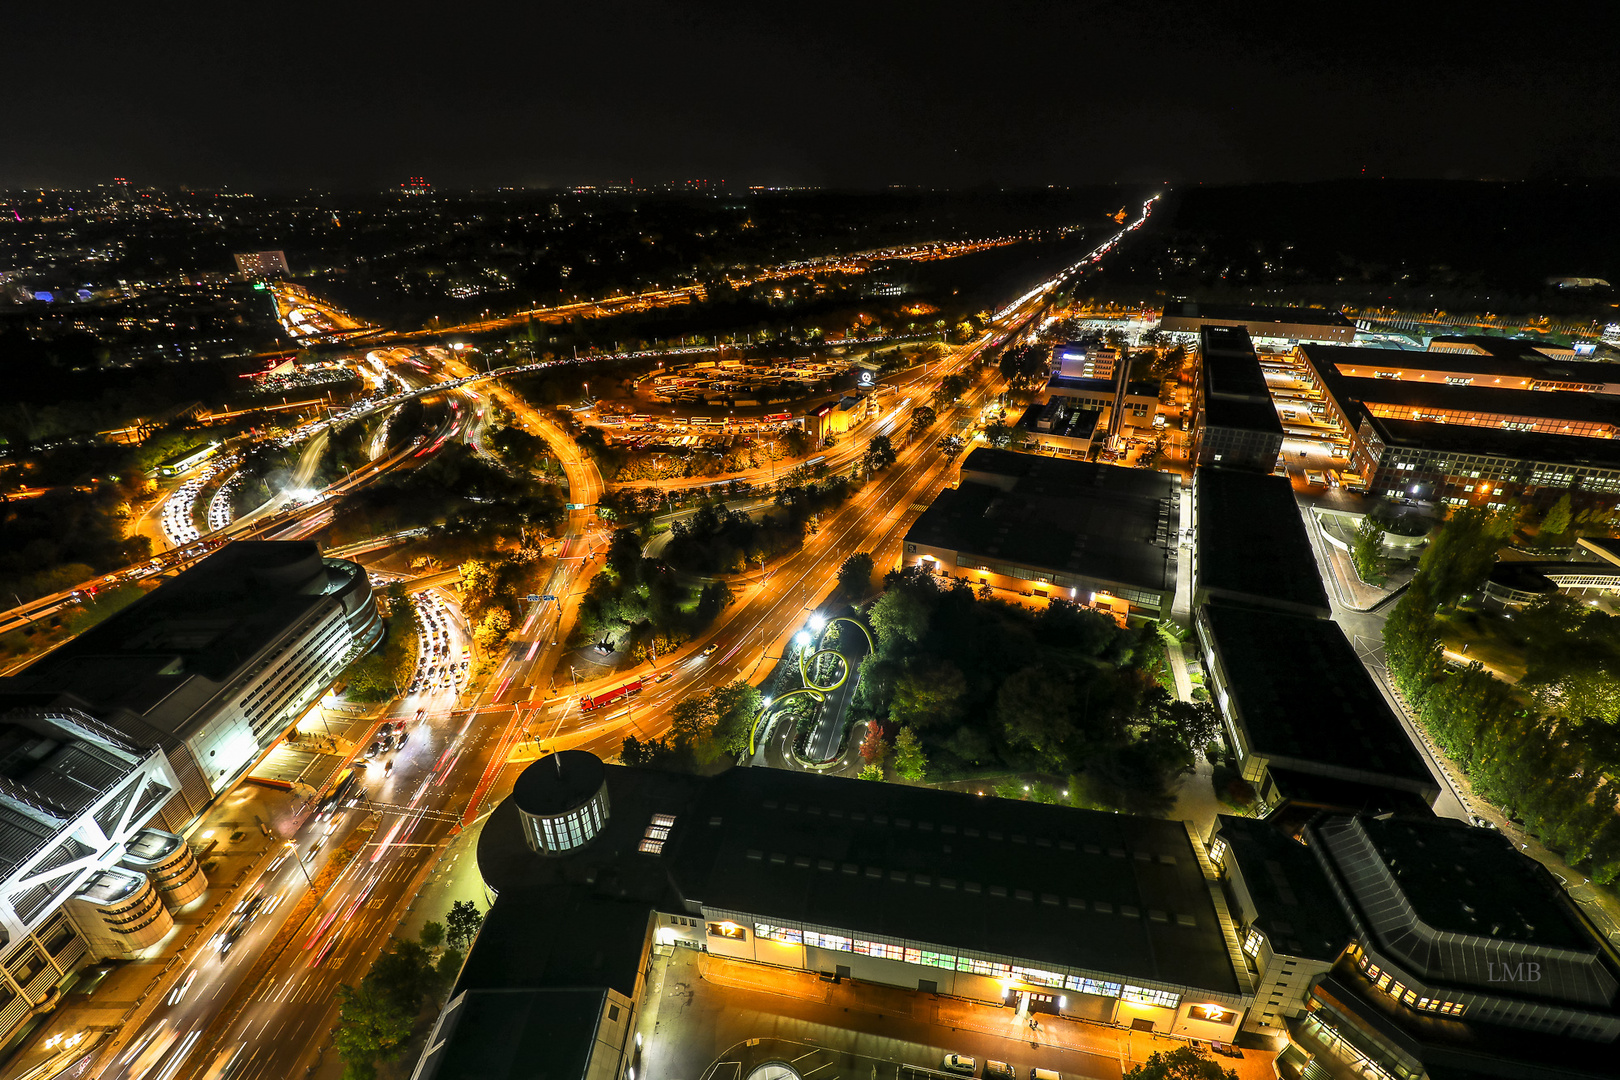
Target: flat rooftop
(1050, 884)
(1071, 517)
(1572, 450)
(1252, 540)
(1076, 423)
(1194, 309)
(1240, 414)
(1306, 698)
(166, 655)
(1296, 907)
(1054, 886)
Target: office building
(262, 265)
(114, 742)
(1474, 428)
(1303, 717)
(1250, 546)
(1234, 422)
(83, 876)
(1274, 325)
(1107, 917)
(1406, 948)
(1097, 534)
(1085, 360)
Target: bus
(776, 418)
(347, 783)
(187, 460)
(588, 703)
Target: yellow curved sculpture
(811, 688)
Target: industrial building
(1405, 948)
(1474, 427)
(1098, 534)
(1234, 423)
(1250, 545)
(1274, 325)
(1303, 717)
(112, 744)
(1372, 945)
(1041, 908)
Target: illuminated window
(1217, 850)
(1148, 996)
(1251, 943)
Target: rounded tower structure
(562, 800)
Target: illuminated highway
(266, 1007)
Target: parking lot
(701, 1011)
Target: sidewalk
(931, 1019)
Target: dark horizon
(846, 96)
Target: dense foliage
(640, 605)
(984, 686)
(471, 504)
(1546, 753)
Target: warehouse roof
(1252, 544)
(1070, 517)
(1054, 886)
(1305, 699)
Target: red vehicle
(611, 697)
(775, 417)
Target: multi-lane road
(267, 1006)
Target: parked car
(956, 1063)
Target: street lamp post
(292, 847)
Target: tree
(462, 924)
(432, 935)
(873, 749)
(909, 760)
(1367, 551)
(1183, 1063)
(870, 772)
(855, 575)
(899, 617)
(371, 1026)
(1035, 707)
(1557, 521)
(922, 418)
(493, 629)
(927, 694)
(998, 435)
(879, 453)
(479, 583)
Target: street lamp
(292, 847)
(817, 621)
(802, 639)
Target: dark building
(1234, 422)
(1098, 534)
(1277, 324)
(1303, 715)
(1102, 916)
(1409, 948)
(1250, 545)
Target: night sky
(280, 95)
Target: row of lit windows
(1389, 985)
(970, 964)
